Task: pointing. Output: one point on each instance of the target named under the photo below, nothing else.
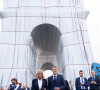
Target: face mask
(13, 83)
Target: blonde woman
(39, 83)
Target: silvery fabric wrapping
(19, 56)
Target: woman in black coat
(39, 83)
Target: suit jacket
(96, 86)
(35, 85)
(60, 82)
(12, 87)
(67, 85)
(78, 84)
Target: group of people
(92, 83)
(57, 82)
(54, 82)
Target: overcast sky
(1, 6)
(93, 23)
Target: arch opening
(47, 66)
(46, 38)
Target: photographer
(15, 85)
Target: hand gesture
(94, 82)
(91, 82)
(43, 89)
(57, 88)
(82, 83)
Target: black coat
(35, 85)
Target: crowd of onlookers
(57, 82)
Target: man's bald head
(93, 73)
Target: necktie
(82, 82)
(55, 81)
(93, 78)
(54, 78)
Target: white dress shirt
(26, 89)
(55, 76)
(40, 83)
(81, 82)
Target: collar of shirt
(55, 75)
(93, 76)
(81, 79)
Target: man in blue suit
(81, 82)
(56, 81)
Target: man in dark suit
(56, 81)
(81, 82)
(94, 81)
